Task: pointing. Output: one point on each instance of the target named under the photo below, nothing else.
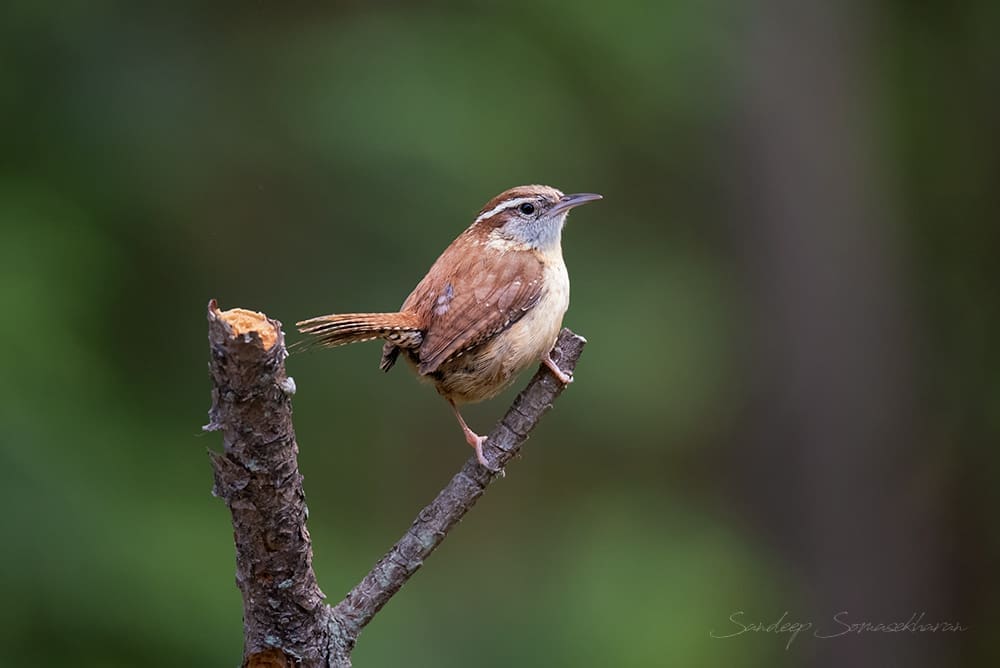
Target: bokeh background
(789, 403)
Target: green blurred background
(789, 401)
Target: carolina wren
(490, 306)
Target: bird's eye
(527, 208)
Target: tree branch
(285, 621)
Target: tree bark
(285, 619)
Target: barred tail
(331, 331)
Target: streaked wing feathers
(478, 295)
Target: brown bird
(490, 306)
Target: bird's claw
(478, 445)
(562, 376)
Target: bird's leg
(564, 378)
(474, 439)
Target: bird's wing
(470, 296)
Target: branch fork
(285, 619)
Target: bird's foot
(564, 378)
(477, 441)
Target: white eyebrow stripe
(506, 204)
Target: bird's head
(530, 215)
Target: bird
(491, 305)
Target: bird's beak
(569, 201)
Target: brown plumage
(339, 330)
(491, 305)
